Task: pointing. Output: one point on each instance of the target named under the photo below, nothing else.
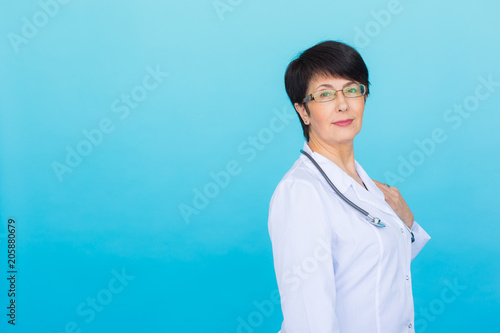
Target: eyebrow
(327, 85)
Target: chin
(346, 137)
(337, 141)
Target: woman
(337, 269)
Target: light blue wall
(218, 71)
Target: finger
(392, 190)
(393, 193)
(383, 187)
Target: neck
(341, 154)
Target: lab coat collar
(343, 181)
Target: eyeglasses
(322, 96)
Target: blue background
(120, 208)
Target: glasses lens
(325, 95)
(355, 90)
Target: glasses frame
(310, 97)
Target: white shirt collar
(343, 181)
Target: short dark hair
(329, 58)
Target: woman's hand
(397, 203)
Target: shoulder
(301, 188)
(299, 173)
(298, 179)
(298, 204)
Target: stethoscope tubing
(373, 220)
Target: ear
(301, 110)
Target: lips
(344, 122)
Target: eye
(352, 90)
(326, 93)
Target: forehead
(326, 81)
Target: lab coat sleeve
(301, 240)
(421, 238)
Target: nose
(341, 101)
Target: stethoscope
(371, 219)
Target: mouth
(345, 122)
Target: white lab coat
(336, 272)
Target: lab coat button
(402, 230)
(407, 277)
(410, 325)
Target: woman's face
(323, 118)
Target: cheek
(321, 115)
(360, 118)
(360, 112)
(324, 119)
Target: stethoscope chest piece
(375, 221)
